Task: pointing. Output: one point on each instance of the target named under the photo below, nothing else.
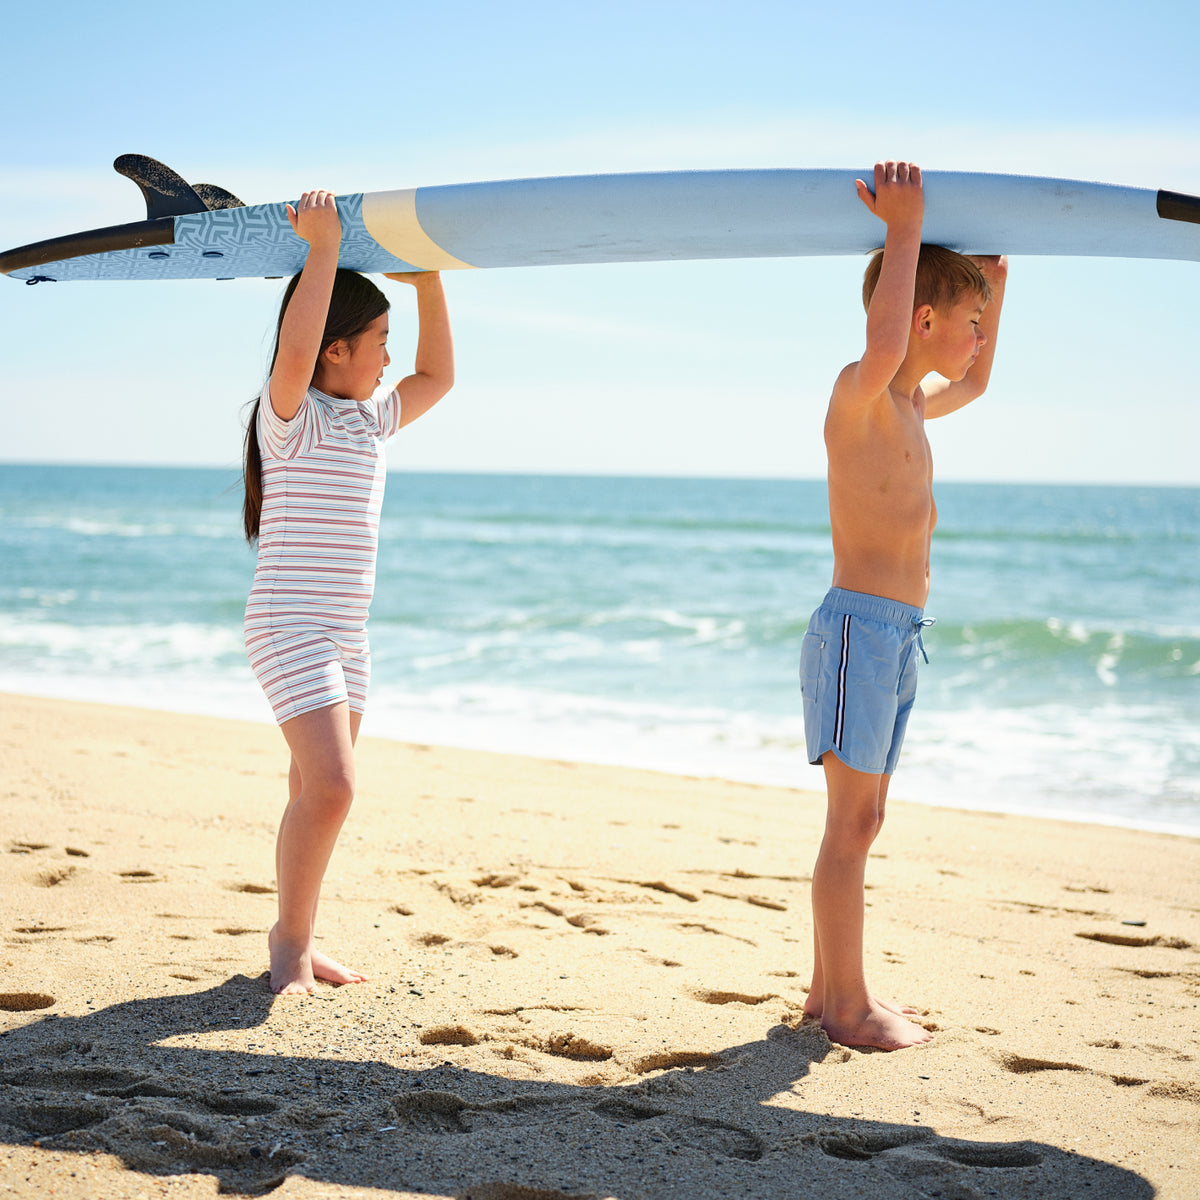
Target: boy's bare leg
(321, 784)
(849, 1015)
(815, 1002)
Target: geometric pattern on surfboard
(255, 240)
(653, 216)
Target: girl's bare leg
(321, 788)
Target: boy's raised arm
(899, 201)
(942, 396)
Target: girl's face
(353, 370)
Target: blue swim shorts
(858, 678)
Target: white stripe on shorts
(844, 663)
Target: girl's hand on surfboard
(315, 219)
(413, 277)
(898, 198)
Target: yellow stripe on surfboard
(391, 219)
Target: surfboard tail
(137, 235)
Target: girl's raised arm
(433, 371)
(302, 328)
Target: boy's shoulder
(857, 395)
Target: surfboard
(204, 232)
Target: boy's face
(958, 336)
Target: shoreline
(586, 981)
(811, 780)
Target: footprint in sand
(25, 1001)
(698, 927)
(854, 1146)
(571, 1045)
(696, 1133)
(1136, 940)
(669, 1060)
(588, 923)
(708, 997)
(54, 876)
(746, 898)
(444, 1112)
(1020, 1065)
(659, 886)
(496, 880)
(449, 1035)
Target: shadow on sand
(103, 1083)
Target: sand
(586, 982)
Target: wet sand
(586, 981)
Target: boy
(928, 309)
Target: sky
(696, 368)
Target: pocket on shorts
(812, 651)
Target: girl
(314, 479)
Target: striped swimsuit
(306, 619)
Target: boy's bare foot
(291, 966)
(332, 971)
(877, 1026)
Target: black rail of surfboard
(158, 232)
(1178, 206)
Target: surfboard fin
(217, 197)
(168, 194)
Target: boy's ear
(922, 320)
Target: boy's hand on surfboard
(898, 198)
(993, 266)
(315, 219)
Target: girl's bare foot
(812, 1008)
(291, 966)
(876, 1026)
(332, 971)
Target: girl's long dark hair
(354, 304)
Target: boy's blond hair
(944, 277)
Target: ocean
(654, 623)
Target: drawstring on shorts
(923, 623)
